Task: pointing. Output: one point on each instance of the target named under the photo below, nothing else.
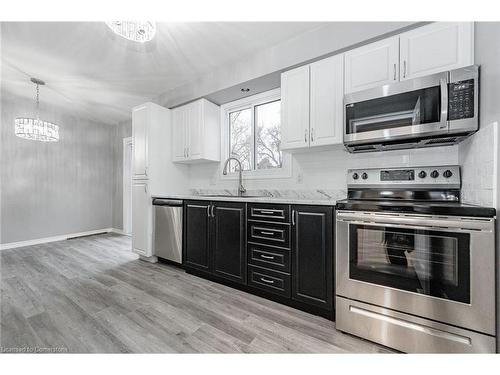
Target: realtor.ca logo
(32, 349)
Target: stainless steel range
(415, 268)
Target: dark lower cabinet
(215, 239)
(229, 241)
(196, 235)
(312, 255)
(281, 252)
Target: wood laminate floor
(92, 295)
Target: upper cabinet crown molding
(196, 133)
(436, 48)
(433, 48)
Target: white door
(373, 65)
(327, 92)
(195, 129)
(295, 108)
(179, 134)
(141, 220)
(139, 135)
(127, 185)
(436, 48)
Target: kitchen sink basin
(231, 196)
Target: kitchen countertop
(252, 199)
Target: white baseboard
(12, 245)
(120, 231)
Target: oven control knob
(434, 174)
(447, 173)
(422, 174)
(364, 176)
(355, 176)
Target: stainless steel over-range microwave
(436, 110)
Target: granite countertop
(253, 199)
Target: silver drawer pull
(266, 256)
(267, 280)
(266, 212)
(267, 233)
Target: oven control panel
(412, 177)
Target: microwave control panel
(461, 100)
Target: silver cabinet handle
(305, 135)
(213, 211)
(394, 72)
(267, 280)
(146, 188)
(187, 152)
(267, 233)
(266, 212)
(293, 217)
(208, 210)
(266, 256)
(404, 69)
(312, 135)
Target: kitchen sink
(231, 196)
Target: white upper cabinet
(373, 65)
(196, 134)
(436, 48)
(295, 108)
(326, 101)
(140, 141)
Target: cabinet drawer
(269, 280)
(273, 258)
(269, 212)
(271, 234)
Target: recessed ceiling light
(137, 31)
(245, 89)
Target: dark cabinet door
(229, 241)
(312, 255)
(196, 234)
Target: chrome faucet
(241, 189)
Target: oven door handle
(417, 222)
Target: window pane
(268, 135)
(240, 139)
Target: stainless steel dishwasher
(167, 232)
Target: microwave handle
(444, 103)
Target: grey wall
(120, 131)
(487, 54)
(50, 189)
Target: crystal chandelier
(137, 31)
(34, 128)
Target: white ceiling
(97, 74)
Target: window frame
(241, 104)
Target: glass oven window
(433, 263)
(406, 109)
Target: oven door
(408, 109)
(440, 268)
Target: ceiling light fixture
(34, 128)
(137, 31)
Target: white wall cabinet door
(140, 141)
(295, 108)
(373, 65)
(141, 219)
(179, 134)
(326, 101)
(436, 48)
(195, 130)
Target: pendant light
(34, 128)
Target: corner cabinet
(312, 255)
(215, 239)
(312, 104)
(433, 48)
(196, 133)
